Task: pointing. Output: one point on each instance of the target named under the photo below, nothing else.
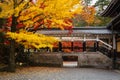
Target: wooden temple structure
(88, 46)
(82, 44)
(91, 39)
(108, 35)
(113, 11)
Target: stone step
(94, 59)
(70, 64)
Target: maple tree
(30, 40)
(87, 16)
(42, 13)
(27, 14)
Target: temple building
(88, 39)
(91, 46)
(113, 11)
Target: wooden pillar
(72, 46)
(60, 47)
(95, 46)
(97, 43)
(84, 44)
(114, 52)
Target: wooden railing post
(60, 47)
(84, 43)
(72, 46)
(114, 52)
(95, 46)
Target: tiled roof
(79, 31)
(115, 23)
(112, 9)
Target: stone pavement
(54, 73)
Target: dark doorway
(70, 61)
(70, 58)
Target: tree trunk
(1, 41)
(12, 57)
(12, 47)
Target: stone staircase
(94, 59)
(85, 59)
(118, 63)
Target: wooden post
(60, 47)
(97, 43)
(72, 46)
(84, 44)
(95, 47)
(114, 52)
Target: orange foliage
(88, 14)
(68, 44)
(78, 44)
(90, 43)
(67, 50)
(56, 45)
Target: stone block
(46, 59)
(94, 60)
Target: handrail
(105, 47)
(105, 44)
(78, 39)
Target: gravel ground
(53, 73)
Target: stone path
(52, 73)
(70, 63)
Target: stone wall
(88, 59)
(46, 59)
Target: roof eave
(110, 11)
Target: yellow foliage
(9, 8)
(51, 12)
(42, 11)
(31, 40)
(48, 13)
